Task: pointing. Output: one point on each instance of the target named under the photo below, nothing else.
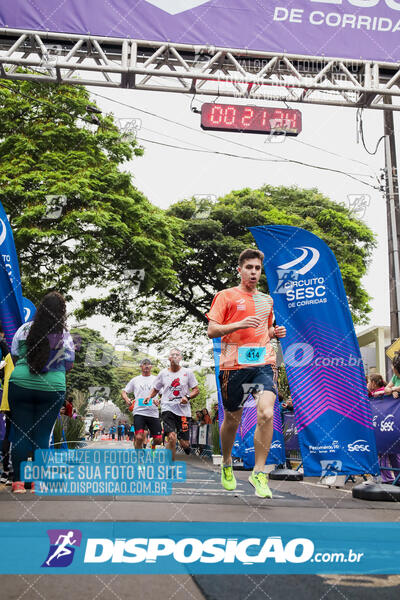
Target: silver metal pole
(393, 221)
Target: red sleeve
(219, 309)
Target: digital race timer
(254, 119)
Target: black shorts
(173, 422)
(236, 385)
(140, 422)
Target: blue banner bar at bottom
(167, 547)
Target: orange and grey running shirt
(245, 347)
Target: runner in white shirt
(177, 386)
(145, 411)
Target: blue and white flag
(321, 352)
(29, 309)
(11, 302)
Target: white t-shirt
(173, 386)
(141, 387)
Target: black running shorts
(236, 385)
(153, 423)
(173, 422)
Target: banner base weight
(286, 475)
(383, 492)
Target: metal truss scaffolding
(202, 70)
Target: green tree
(200, 401)
(77, 218)
(94, 367)
(283, 384)
(216, 233)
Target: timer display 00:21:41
(252, 119)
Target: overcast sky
(165, 174)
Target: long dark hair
(49, 319)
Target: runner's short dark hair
(250, 253)
(145, 361)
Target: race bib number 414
(250, 355)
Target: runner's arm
(391, 388)
(192, 394)
(126, 397)
(153, 393)
(217, 330)
(277, 331)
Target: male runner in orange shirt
(242, 316)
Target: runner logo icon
(62, 547)
(308, 252)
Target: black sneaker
(4, 477)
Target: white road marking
(319, 485)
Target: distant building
(373, 344)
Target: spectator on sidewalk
(391, 460)
(393, 387)
(376, 385)
(44, 351)
(206, 417)
(199, 417)
(285, 407)
(91, 432)
(215, 413)
(96, 429)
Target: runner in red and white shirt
(145, 412)
(177, 386)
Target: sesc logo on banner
(358, 446)
(298, 290)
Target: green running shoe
(260, 482)
(228, 479)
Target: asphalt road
(201, 499)
(104, 412)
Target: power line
(297, 140)
(276, 157)
(360, 129)
(231, 155)
(329, 152)
(280, 160)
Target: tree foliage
(216, 233)
(94, 366)
(77, 218)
